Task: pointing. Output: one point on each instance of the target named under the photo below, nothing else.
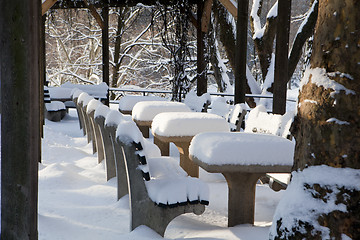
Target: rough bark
(336, 49)
(327, 126)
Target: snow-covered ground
(76, 201)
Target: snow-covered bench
(115, 164)
(236, 117)
(54, 110)
(64, 93)
(159, 189)
(197, 103)
(90, 112)
(100, 116)
(82, 103)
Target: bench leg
(241, 201)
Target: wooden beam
(201, 81)
(281, 56)
(206, 15)
(193, 19)
(20, 119)
(229, 5)
(105, 48)
(240, 51)
(47, 5)
(95, 14)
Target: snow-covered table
(242, 158)
(127, 103)
(181, 127)
(143, 114)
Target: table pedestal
(163, 146)
(182, 143)
(241, 200)
(189, 166)
(144, 130)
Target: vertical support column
(240, 52)
(43, 53)
(281, 56)
(201, 63)
(105, 47)
(20, 121)
(42, 70)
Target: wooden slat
(95, 14)
(47, 5)
(281, 57)
(228, 4)
(206, 14)
(240, 53)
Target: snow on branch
(258, 31)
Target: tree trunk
(327, 126)
(336, 53)
(117, 48)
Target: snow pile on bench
(66, 90)
(113, 118)
(84, 99)
(93, 105)
(54, 106)
(101, 111)
(259, 121)
(99, 90)
(197, 104)
(60, 92)
(170, 184)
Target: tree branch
(305, 31)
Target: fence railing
(147, 91)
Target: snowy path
(76, 202)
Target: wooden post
(240, 52)
(281, 56)
(105, 47)
(42, 73)
(201, 62)
(20, 122)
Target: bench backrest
(196, 103)
(259, 121)
(236, 117)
